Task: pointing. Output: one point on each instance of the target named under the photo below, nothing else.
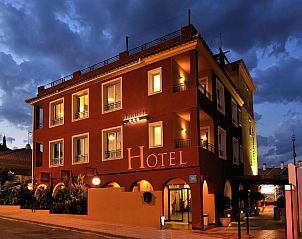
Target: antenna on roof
(189, 16)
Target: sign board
(193, 178)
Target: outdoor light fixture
(183, 130)
(229, 215)
(162, 222)
(135, 119)
(96, 180)
(181, 80)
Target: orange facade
(155, 113)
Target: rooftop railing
(116, 58)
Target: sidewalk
(81, 222)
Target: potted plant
(225, 206)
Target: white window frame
(241, 154)
(73, 138)
(234, 112)
(221, 146)
(221, 100)
(77, 94)
(50, 152)
(239, 117)
(105, 131)
(104, 85)
(151, 135)
(150, 81)
(235, 151)
(51, 103)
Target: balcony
(202, 89)
(182, 143)
(111, 106)
(81, 158)
(81, 115)
(207, 146)
(113, 154)
(181, 86)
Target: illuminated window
(56, 112)
(156, 134)
(221, 143)
(56, 153)
(112, 95)
(80, 148)
(235, 151)
(112, 143)
(155, 81)
(234, 112)
(81, 105)
(220, 96)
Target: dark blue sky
(41, 41)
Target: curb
(67, 227)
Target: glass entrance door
(179, 201)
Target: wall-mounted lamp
(183, 130)
(96, 181)
(181, 80)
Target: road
(14, 229)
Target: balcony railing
(81, 115)
(56, 161)
(81, 158)
(206, 145)
(182, 143)
(111, 106)
(57, 121)
(181, 86)
(113, 154)
(203, 90)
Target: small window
(155, 81)
(112, 143)
(39, 154)
(239, 117)
(220, 97)
(38, 117)
(221, 143)
(56, 153)
(80, 149)
(112, 95)
(81, 105)
(234, 112)
(241, 154)
(56, 112)
(235, 151)
(156, 134)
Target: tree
(5, 176)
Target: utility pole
(294, 148)
(189, 16)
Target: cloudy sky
(41, 41)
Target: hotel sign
(164, 159)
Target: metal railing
(204, 91)
(100, 64)
(81, 158)
(113, 154)
(56, 161)
(182, 143)
(57, 121)
(181, 86)
(206, 145)
(155, 42)
(59, 81)
(81, 115)
(111, 106)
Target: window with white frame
(80, 105)
(156, 134)
(56, 112)
(250, 128)
(112, 95)
(235, 151)
(221, 143)
(112, 143)
(155, 81)
(239, 117)
(234, 112)
(80, 144)
(220, 97)
(56, 156)
(241, 154)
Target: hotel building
(168, 115)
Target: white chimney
(282, 165)
(299, 163)
(264, 167)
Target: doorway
(179, 202)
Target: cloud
(10, 139)
(257, 116)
